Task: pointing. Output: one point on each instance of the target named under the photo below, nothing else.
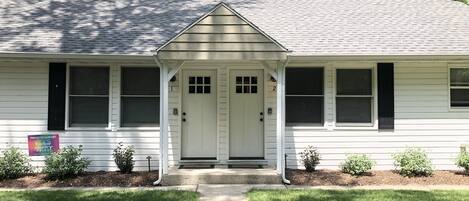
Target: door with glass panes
(246, 114)
(199, 115)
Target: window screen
(304, 96)
(89, 97)
(459, 87)
(140, 103)
(354, 97)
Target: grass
(356, 195)
(74, 195)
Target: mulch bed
(89, 179)
(337, 178)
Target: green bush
(310, 158)
(464, 1)
(66, 163)
(14, 164)
(124, 158)
(357, 164)
(413, 162)
(463, 161)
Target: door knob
(183, 119)
(183, 113)
(261, 119)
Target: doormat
(240, 166)
(196, 166)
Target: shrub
(413, 162)
(463, 161)
(66, 163)
(310, 158)
(124, 158)
(464, 1)
(14, 164)
(357, 164)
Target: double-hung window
(354, 96)
(459, 87)
(88, 97)
(304, 96)
(140, 102)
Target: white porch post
(164, 116)
(280, 117)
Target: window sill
(138, 129)
(355, 128)
(459, 109)
(305, 127)
(88, 129)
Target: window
(354, 96)
(246, 84)
(140, 103)
(304, 96)
(199, 85)
(89, 97)
(459, 87)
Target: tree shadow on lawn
(60, 195)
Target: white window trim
(67, 99)
(119, 102)
(373, 125)
(453, 66)
(311, 126)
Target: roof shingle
(307, 27)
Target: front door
(199, 115)
(246, 114)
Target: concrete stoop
(221, 176)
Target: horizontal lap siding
(23, 112)
(222, 35)
(422, 119)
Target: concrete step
(220, 176)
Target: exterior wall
(23, 111)
(422, 119)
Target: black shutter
(385, 95)
(57, 84)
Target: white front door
(199, 115)
(246, 114)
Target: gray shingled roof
(307, 27)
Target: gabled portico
(230, 78)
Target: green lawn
(65, 195)
(356, 195)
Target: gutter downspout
(160, 163)
(281, 81)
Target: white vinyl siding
(222, 35)
(422, 119)
(23, 112)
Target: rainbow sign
(43, 145)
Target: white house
(237, 82)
